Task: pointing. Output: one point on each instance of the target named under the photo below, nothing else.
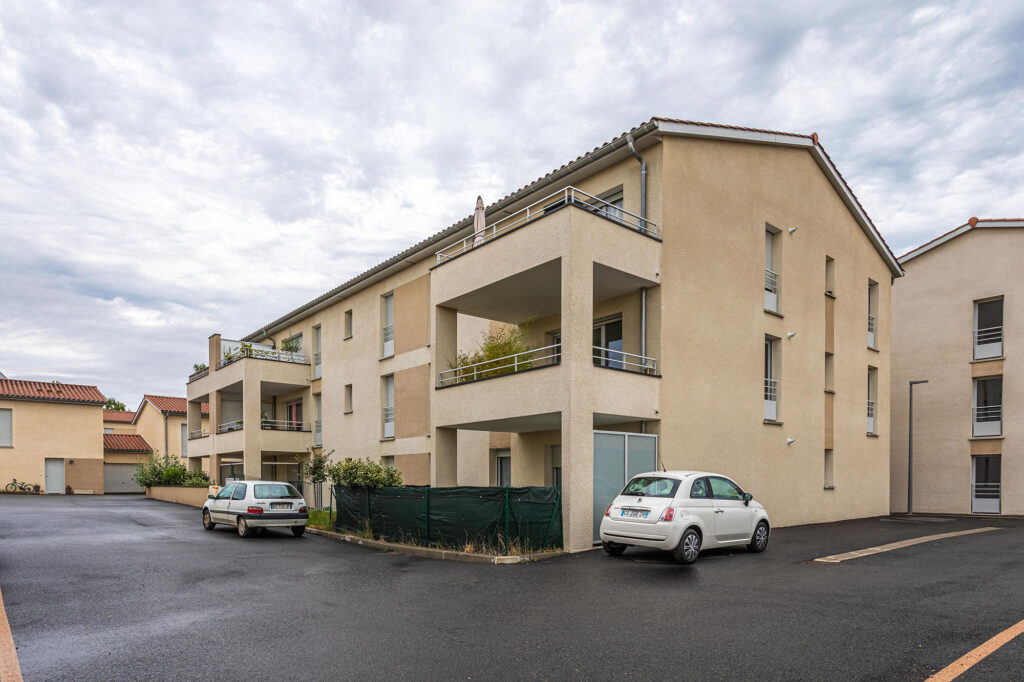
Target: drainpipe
(166, 451)
(643, 181)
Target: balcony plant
(507, 341)
(199, 367)
(290, 346)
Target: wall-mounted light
(790, 335)
(790, 441)
(792, 230)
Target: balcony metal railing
(988, 413)
(388, 336)
(198, 433)
(871, 416)
(872, 323)
(985, 490)
(509, 364)
(771, 281)
(198, 375)
(617, 359)
(388, 415)
(232, 351)
(569, 196)
(771, 399)
(318, 433)
(284, 425)
(988, 343)
(228, 427)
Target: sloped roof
(972, 224)
(171, 405)
(125, 442)
(118, 416)
(51, 391)
(664, 125)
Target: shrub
(503, 343)
(364, 473)
(168, 470)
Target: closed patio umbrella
(479, 222)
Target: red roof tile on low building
(118, 416)
(51, 391)
(171, 405)
(125, 442)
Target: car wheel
(297, 531)
(688, 549)
(244, 530)
(759, 541)
(208, 523)
(613, 548)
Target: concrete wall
(933, 308)
(193, 497)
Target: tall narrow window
(872, 314)
(771, 269)
(986, 479)
(388, 325)
(830, 372)
(830, 480)
(348, 398)
(830, 276)
(872, 398)
(317, 352)
(184, 440)
(389, 406)
(6, 429)
(608, 342)
(318, 432)
(988, 406)
(988, 329)
(503, 468)
(556, 466)
(348, 324)
(771, 379)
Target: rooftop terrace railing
(570, 196)
(232, 351)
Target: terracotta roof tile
(118, 415)
(125, 442)
(172, 405)
(50, 390)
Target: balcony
(228, 427)
(871, 417)
(198, 433)
(872, 331)
(233, 351)
(284, 425)
(988, 421)
(988, 343)
(771, 291)
(569, 196)
(771, 399)
(510, 364)
(195, 376)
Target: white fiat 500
(683, 512)
(251, 505)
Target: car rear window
(652, 486)
(275, 491)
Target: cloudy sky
(173, 169)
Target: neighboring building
(122, 453)
(956, 318)
(118, 421)
(160, 420)
(51, 435)
(721, 305)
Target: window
(986, 477)
(348, 324)
(387, 314)
(873, 314)
(771, 378)
(724, 489)
(318, 433)
(556, 466)
(608, 342)
(699, 489)
(988, 329)
(503, 468)
(317, 352)
(239, 493)
(612, 208)
(293, 415)
(652, 486)
(108, 429)
(830, 372)
(872, 398)
(348, 398)
(988, 406)
(830, 276)
(6, 428)
(275, 491)
(829, 471)
(292, 344)
(184, 440)
(388, 461)
(389, 406)
(771, 269)
(225, 492)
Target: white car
(251, 505)
(683, 512)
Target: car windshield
(652, 486)
(276, 491)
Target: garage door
(117, 478)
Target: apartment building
(161, 421)
(51, 435)
(956, 316)
(696, 296)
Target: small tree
(168, 470)
(364, 473)
(501, 344)
(317, 471)
(114, 404)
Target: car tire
(688, 549)
(759, 540)
(613, 548)
(297, 531)
(244, 530)
(208, 523)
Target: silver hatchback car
(252, 505)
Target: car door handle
(719, 511)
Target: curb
(431, 553)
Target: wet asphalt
(124, 588)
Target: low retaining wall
(194, 497)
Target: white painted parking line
(968, 660)
(10, 671)
(856, 554)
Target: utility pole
(910, 450)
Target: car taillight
(608, 511)
(255, 510)
(668, 514)
(303, 510)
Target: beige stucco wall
(933, 308)
(42, 430)
(193, 497)
(150, 424)
(120, 427)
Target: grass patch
(322, 519)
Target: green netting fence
(527, 518)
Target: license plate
(634, 513)
(280, 505)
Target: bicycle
(16, 486)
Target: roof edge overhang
(66, 401)
(957, 231)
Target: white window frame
(770, 386)
(992, 336)
(388, 410)
(387, 334)
(7, 429)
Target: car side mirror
(747, 497)
(210, 497)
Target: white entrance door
(985, 484)
(53, 483)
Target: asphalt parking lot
(124, 588)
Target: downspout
(643, 226)
(166, 450)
